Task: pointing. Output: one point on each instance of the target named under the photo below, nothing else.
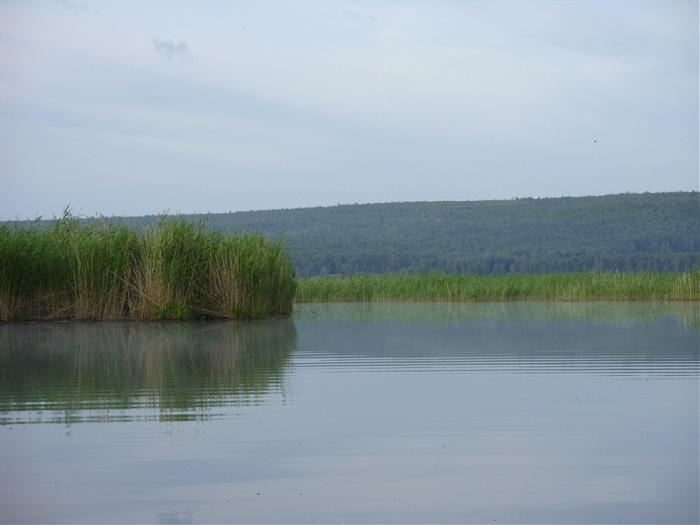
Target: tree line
(658, 232)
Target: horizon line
(167, 213)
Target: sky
(127, 108)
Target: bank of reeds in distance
(173, 270)
(588, 286)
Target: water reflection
(629, 339)
(685, 313)
(518, 412)
(182, 370)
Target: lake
(488, 413)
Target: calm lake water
(521, 412)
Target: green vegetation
(650, 232)
(614, 247)
(591, 286)
(171, 270)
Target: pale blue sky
(132, 108)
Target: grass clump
(173, 270)
(589, 286)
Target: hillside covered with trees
(625, 232)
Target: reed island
(173, 269)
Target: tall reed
(591, 286)
(173, 270)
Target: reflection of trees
(175, 367)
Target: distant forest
(657, 232)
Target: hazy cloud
(73, 4)
(171, 50)
(359, 16)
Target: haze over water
(516, 412)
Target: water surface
(518, 412)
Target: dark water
(579, 413)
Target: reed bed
(590, 286)
(173, 270)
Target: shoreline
(572, 288)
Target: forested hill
(627, 232)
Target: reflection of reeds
(542, 337)
(684, 312)
(173, 270)
(122, 365)
(591, 286)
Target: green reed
(590, 286)
(173, 270)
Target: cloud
(73, 4)
(171, 50)
(360, 16)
